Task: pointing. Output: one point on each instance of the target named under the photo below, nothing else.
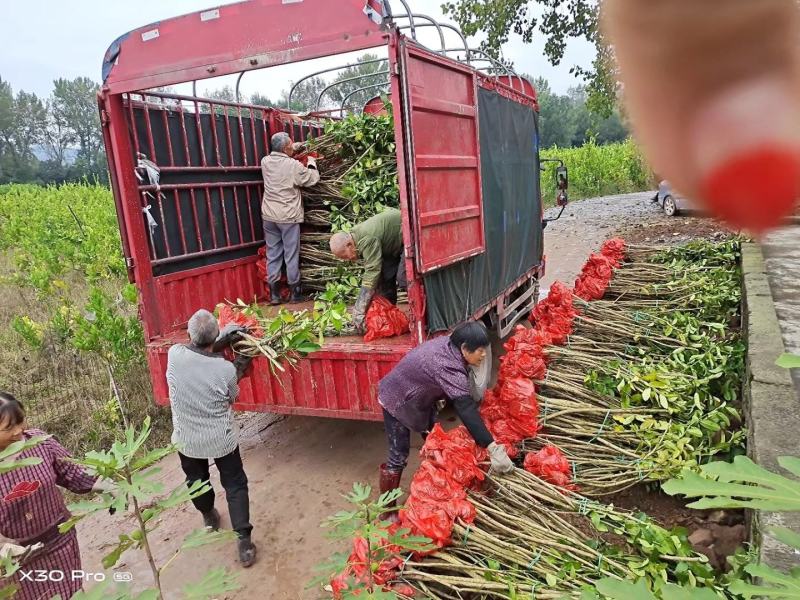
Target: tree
(304, 96)
(57, 135)
(22, 124)
(75, 102)
(557, 21)
(261, 100)
(351, 80)
(566, 121)
(555, 116)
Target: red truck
(468, 168)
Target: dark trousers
(283, 245)
(399, 438)
(234, 480)
(393, 276)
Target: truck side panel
(341, 380)
(444, 162)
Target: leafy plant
(741, 484)
(789, 361)
(134, 474)
(354, 575)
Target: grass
(48, 263)
(598, 171)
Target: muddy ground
(298, 467)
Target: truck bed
(339, 380)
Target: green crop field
(598, 171)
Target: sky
(47, 39)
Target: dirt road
(298, 467)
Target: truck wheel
(670, 209)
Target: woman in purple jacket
(31, 508)
(437, 369)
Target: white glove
(501, 464)
(10, 550)
(312, 162)
(297, 146)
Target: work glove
(311, 162)
(501, 464)
(360, 309)
(242, 363)
(298, 146)
(230, 334)
(10, 549)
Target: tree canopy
(557, 21)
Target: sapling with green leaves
(381, 539)
(134, 474)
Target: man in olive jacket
(378, 243)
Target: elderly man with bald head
(282, 212)
(203, 386)
(378, 243)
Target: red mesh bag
(522, 364)
(428, 519)
(595, 277)
(553, 317)
(431, 483)
(454, 452)
(261, 269)
(614, 250)
(551, 465)
(227, 314)
(384, 320)
(519, 395)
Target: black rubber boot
(211, 519)
(297, 294)
(247, 552)
(275, 294)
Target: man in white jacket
(282, 212)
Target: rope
(534, 560)
(602, 426)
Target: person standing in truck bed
(282, 212)
(378, 242)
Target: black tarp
(509, 144)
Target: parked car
(671, 202)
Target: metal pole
(355, 64)
(432, 23)
(335, 83)
(410, 16)
(368, 87)
(238, 80)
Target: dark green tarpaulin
(509, 144)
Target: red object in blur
(376, 106)
(756, 190)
